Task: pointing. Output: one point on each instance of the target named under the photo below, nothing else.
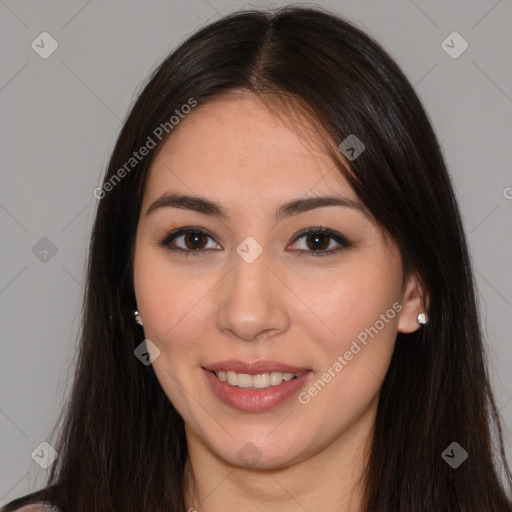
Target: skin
(300, 309)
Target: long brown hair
(122, 444)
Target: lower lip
(255, 400)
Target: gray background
(59, 120)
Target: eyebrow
(208, 207)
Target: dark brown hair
(122, 443)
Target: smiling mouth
(257, 381)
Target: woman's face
(254, 296)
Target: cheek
(171, 302)
(360, 300)
(172, 306)
(363, 313)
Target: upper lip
(253, 368)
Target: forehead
(238, 144)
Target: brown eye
(195, 240)
(317, 241)
(189, 240)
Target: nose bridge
(250, 276)
(251, 302)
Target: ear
(413, 303)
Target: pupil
(195, 238)
(317, 244)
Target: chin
(260, 452)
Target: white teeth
(259, 381)
(276, 378)
(243, 380)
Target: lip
(253, 368)
(256, 400)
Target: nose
(253, 301)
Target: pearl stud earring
(136, 315)
(422, 318)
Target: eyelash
(337, 237)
